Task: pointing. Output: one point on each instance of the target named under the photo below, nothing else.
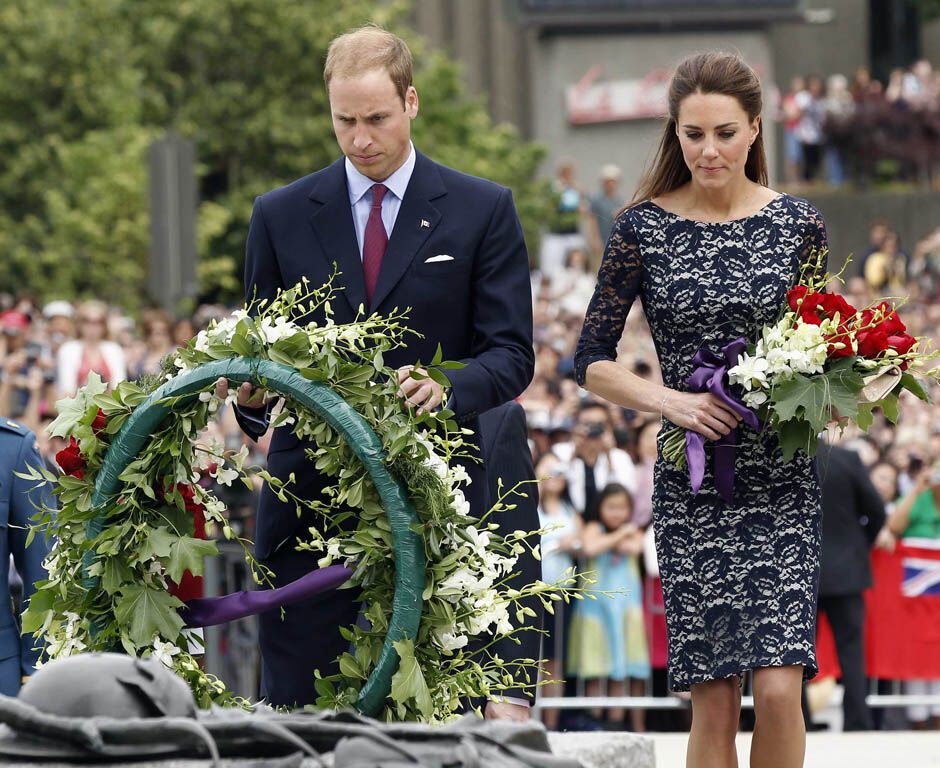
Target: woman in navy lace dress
(710, 251)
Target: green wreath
(319, 398)
(431, 575)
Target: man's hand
(249, 396)
(504, 710)
(423, 394)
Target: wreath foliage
(108, 584)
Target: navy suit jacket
(19, 501)
(505, 440)
(477, 306)
(853, 513)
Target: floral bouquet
(822, 359)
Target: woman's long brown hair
(713, 72)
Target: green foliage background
(86, 85)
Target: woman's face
(715, 134)
(183, 331)
(577, 260)
(885, 479)
(159, 334)
(551, 475)
(92, 325)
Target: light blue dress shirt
(360, 195)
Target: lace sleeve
(814, 259)
(618, 283)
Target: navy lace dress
(739, 579)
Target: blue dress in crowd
(608, 635)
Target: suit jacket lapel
(416, 219)
(333, 223)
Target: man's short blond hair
(367, 48)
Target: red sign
(594, 100)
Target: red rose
(830, 304)
(71, 460)
(901, 342)
(100, 422)
(833, 302)
(794, 295)
(872, 342)
(189, 497)
(893, 324)
(845, 351)
(890, 321)
(188, 494)
(810, 316)
(804, 303)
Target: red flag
(902, 615)
(902, 635)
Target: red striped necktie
(374, 242)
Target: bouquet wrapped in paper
(822, 359)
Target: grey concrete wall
(930, 42)
(561, 61)
(840, 45)
(491, 47)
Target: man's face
(371, 124)
(593, 425)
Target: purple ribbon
(710, 374)
(209, 611)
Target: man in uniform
(19, 501)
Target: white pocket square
(441, 257)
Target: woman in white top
(91, 351)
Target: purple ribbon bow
(209, 611)
(710, 374)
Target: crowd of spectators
(862, 131)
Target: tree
(243, 78)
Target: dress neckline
(763, 209)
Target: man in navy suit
(404, 232)
(504, 437)
(853, 514)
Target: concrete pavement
(876, 749)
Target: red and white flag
(902, 615)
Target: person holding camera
(596, 461)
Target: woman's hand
(701, 412)
(630, 541)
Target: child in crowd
(608, 639)
(559, 544)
